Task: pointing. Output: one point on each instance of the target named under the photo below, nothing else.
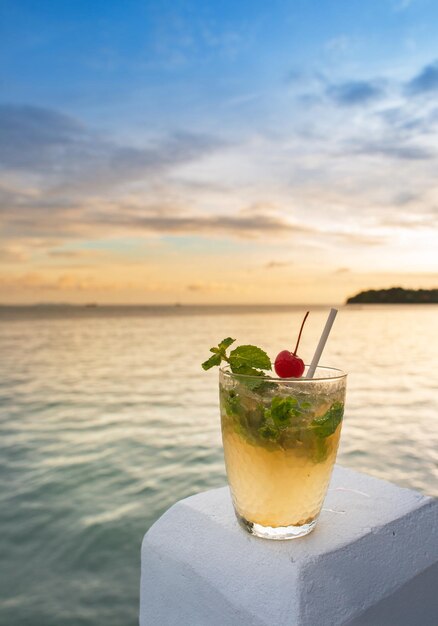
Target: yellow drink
(280, 443)
(276, 487)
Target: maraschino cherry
(288, 364)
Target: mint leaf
(244, 360)
(245, 370)
(212, 361)
(219, 354)
(327, 424)
(268, 432)
(320, 451)
(261, 386)
(231, 403)
(244, 357)
(251, 378)
(283, 410)
(225, 343)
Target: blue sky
(289, 145)
(135, 55)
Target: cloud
(354, 93)
(206, 287)
(401, 5)
(425, 82)
(64, 181)
(37, 215)
(402, 132)
(338, 44)
(426, 220)
(32, 137)
(296, 76)
(33, 200)
(248, 223)
(68, 254)
(34, 214)
(13, 253)
(276, 264)
(70, 282)
(102, 218)
(342, 270)
(40, 217)
(356, 238)
(394, 148)
(403, 198)
(70, 156)
(410, 120)
(396, 134)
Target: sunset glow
(209, 153)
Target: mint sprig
(327, 424)
(246, 360)
(219, 354)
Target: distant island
(395, 295)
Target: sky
(217, 152)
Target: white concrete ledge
(371, 561)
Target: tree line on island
(395, 295)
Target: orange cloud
(64, 282)
(206, 287)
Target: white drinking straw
(321, 343)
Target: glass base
(280, 533)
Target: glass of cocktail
(280, 438)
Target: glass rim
(276, 379)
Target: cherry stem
(299, 336)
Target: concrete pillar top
(201, 569)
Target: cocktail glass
(280, 440)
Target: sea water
(106, 419)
